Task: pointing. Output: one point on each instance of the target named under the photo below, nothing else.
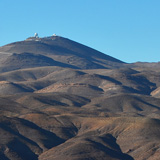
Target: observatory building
(54, 35)
(36, 35)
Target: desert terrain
(61, 100)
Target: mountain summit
(63, 50)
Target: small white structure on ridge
(36, 35)
(54, 34)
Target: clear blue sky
(125, 29)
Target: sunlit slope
(61, 100)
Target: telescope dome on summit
(36, 35)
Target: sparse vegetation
(61, 100)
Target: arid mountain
(62, 50)
(61, 100)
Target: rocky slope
(62, 100)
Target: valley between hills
(61, 100)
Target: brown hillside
(61, 100)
